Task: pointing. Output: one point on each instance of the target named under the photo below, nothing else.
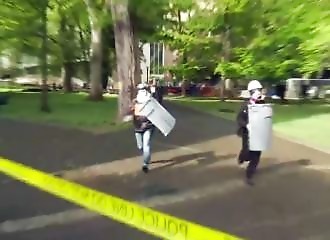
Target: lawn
(5, 90)
(308, 123)
(70, 110)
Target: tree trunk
(222, 88)
(66, 52)
(114, 77)
(85, 54)
(43, 60)
(184, 88)
(105, 57)
(185, 81)
(67, 74)
(225, 52)
(137, 57)
(96, 91)
(105, 71)
(125, 60)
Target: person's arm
(242, 116)
(132, 106)
(130, 115)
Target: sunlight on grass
(71, 110)
(226, 110)
(229, 109)
(314, 130)
(4, 90)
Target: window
(156, 58)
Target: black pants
(253, 157)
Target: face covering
(256, 96)
(142, 96)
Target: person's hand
(128, 118)
(248, 126)
(132, 105)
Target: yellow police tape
(145, 219)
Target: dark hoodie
(141, 123)
(243, 117)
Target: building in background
(156, 58)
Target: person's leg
(253, 164)
(139, 140)
(244, 153)
(146, 148)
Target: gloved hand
(248, 126)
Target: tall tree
(145, 27)
(125, 60)
(43, 58)
(67, 30)
(96, 14)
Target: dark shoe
(145, 169)
(243, 157)
(249, 182)
(240, 161)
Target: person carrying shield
(246, 155)
(143, 127)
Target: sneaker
(145, 169)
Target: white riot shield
(158, 115)
(260, 121)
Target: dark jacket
(141, 123)
(242, 118)
(158, 94)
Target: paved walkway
(194, 176)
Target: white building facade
(153, 61)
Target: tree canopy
(263, 39)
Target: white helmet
(141, 86)
(253, 85)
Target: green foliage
(68, 29)
(147, 17)
(263, 39)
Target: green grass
(308, 122)
(69, 110)
(5, 90)
(313, 130)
